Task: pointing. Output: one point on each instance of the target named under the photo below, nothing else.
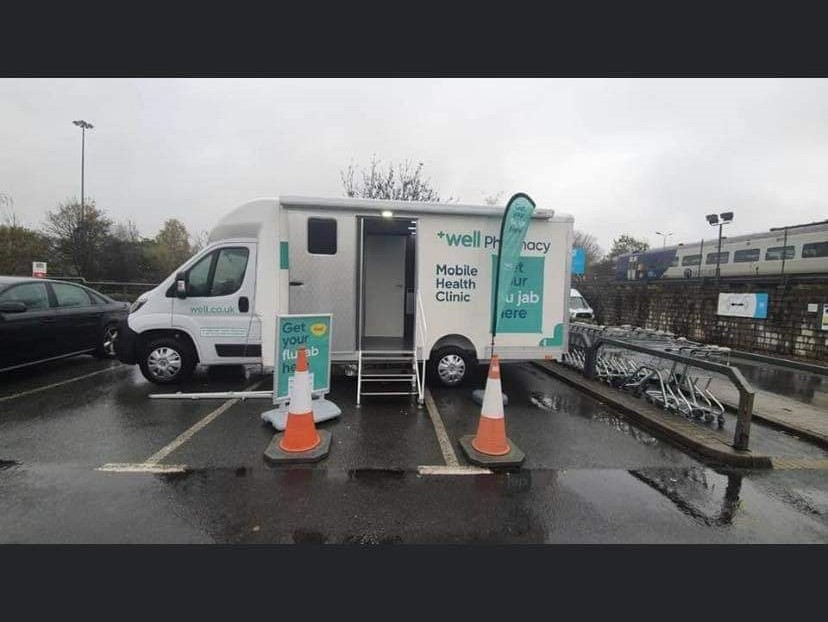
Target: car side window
(70, 296)
(33, 295)
(97, 299)
(229, 273)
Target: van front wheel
(167, 360)
(452, 366)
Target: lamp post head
(726, 216)
(712, 219)
(83, 124)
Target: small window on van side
(775, 253)
(674, 261)
(322, 236)
(814, 249)
(746, 255)
(691, 260)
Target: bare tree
(405, 182)
(627, 244)
(126, 232)
(593, 251)
(172, 245)
(76, 241)
(199, 240)
(7, 214)
(493, 199)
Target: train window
(691, 260)
(814, 249)
(674, 263)
(748, 254)
(775, 253)
(713, 258)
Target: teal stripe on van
(283, 255)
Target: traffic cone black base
(514, 458)
(276, 455)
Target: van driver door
(218, 309)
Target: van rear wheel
(167, 360)
(452, 366)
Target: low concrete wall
(688, 308)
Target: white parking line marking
(439, 469)
(117, 467)
(58, 384)
(440, 429)
(188, 434)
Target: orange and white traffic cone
(491, 430)
(301, 442)
(300, 430)
(490, 446)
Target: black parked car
(43, 319)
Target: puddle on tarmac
(551, 403)
(620, 424)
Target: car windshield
(576, 302)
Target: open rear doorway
(387, 283)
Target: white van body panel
(454, 247)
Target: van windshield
(576, 302)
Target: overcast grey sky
(623, 156)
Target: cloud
(630, 156)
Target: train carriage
(798, 249)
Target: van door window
(219, 273)
(229, 272)
(198, 277)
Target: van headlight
(137, 305)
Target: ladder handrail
(421, 342)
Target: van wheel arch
(457, 350)
(151, 335)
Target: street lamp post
(84, 126)
(664, 237)
(725, 218)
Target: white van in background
(579, 309)
(408, 279)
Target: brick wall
(689, 309)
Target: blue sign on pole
(578, 261)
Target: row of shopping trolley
(673, 385)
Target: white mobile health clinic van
(402, 279)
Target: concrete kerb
(808, 435)
(705, 443)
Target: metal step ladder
(393, 372)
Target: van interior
(387, 283)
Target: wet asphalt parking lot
(589, 475)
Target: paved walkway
(802, 419)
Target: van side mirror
(181, 285)
(13, 307)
